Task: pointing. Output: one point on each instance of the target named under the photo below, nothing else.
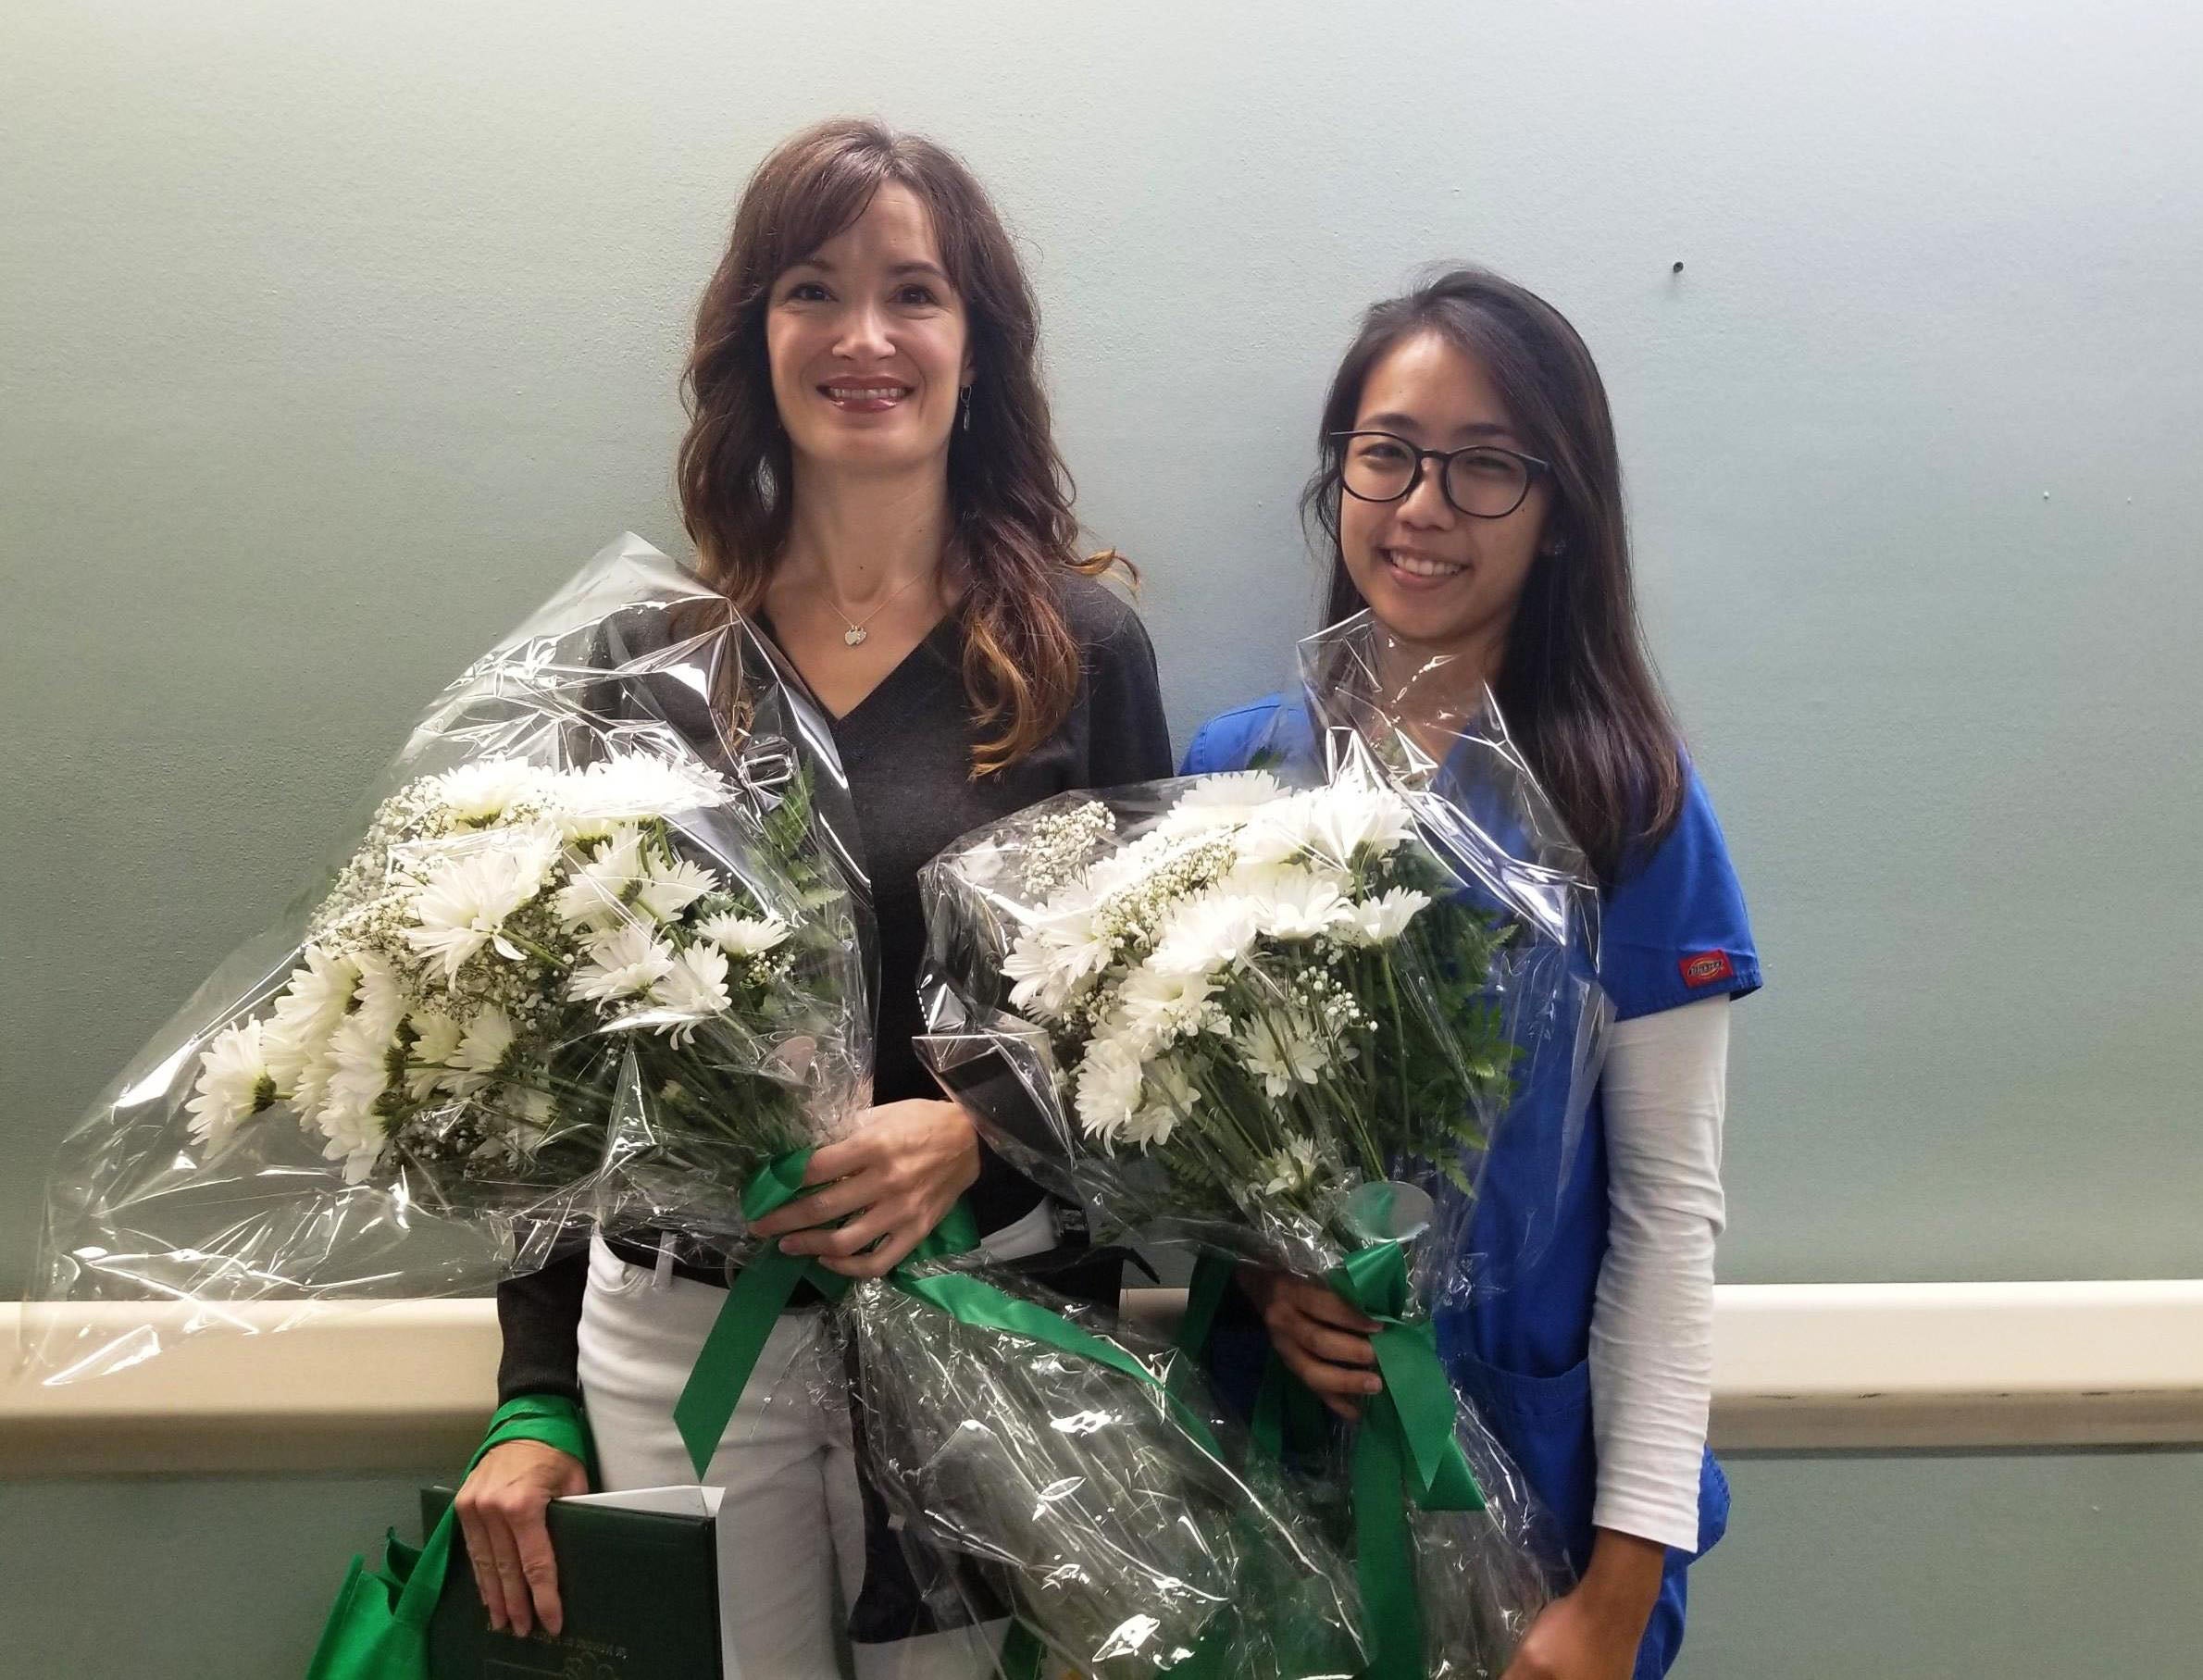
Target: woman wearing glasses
(1470, 492)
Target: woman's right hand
(1322, 1340)
(501, 1510)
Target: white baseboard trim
(1797, 1367)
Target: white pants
(791, 1521)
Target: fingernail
(1370, 1384)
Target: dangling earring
(964, 408)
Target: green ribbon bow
(1406, 1447)
(761, 1291)
(378, 1628)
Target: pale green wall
(331, 337)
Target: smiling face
(1438, 579)
(868, 345)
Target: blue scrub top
(1673, 931)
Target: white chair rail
(408, 1385)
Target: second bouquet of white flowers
(1257, 997)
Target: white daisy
(346, 1117)
(1301, 904)
(671, 887)
(1109, 1083)
(1223, 801)
(631, 787)
(623, 964)
(379, 1003)
(1279, 831)
(1379, 921)
(1207, 934)
(482, 792)
(308, 1011)
(696, 986)
(1282, 1050)
(1352, 815)
(1170, 1097)
(234, 1084)
(744, 935)
(436, 1041)
(1292, 1169)
(355, 1137)
(481, 1052)
(466, 900)
(597, 892)
(1161, 1004)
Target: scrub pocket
(1545, 1423)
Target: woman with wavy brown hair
(870, 473)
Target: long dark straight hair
(1014, 533)
(1575, 685)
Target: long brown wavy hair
(1576, 684)
(1013, 536)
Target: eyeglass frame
(1445, 458)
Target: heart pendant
(854, 635)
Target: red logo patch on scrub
(1704, 967)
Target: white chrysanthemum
(1223, 801)
(486, 789)
(630, 787)
(234, 1084)
(1059, 953)
(466, 900)
(355, 1137)
(1380, 920)
(1349, 815)
(1296, 903)
(1207, 934)
(1278, 832)
(436, 1041)
(1282, 1048)
(481, 1052)
(346, 1116)
(598, 890)
(671, 888)
(1162, 1005)
(1292, 1169)
(1170, 1097)
(308, 1011)
(626, 963)
(695, 988)
(381, 1002)
(744, 935)
(1109, 1084)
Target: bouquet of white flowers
(1278, 1014)
(599, 955)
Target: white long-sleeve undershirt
(1663, 1089)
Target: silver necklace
(855, 634)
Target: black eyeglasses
(1483, 481)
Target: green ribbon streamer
(760, 1293)
(1405, 1449)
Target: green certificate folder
(638, 1575)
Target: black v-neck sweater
(906, 749)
